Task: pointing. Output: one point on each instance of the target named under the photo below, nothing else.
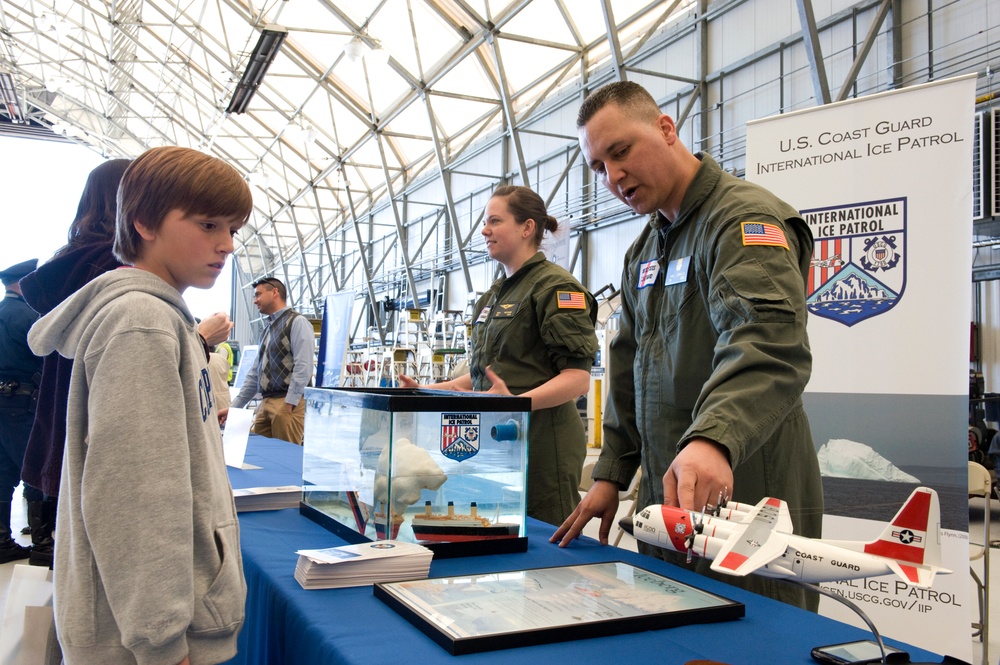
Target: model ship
(457, 528)
(421, 473)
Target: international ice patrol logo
(459, 435)
(858, 267)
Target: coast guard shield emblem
(459, 435)
(858, 267)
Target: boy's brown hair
(171, 178)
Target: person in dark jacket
(19, 371)
(86, 255)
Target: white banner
(333, 339)
(885, 184)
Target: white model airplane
(742, 539)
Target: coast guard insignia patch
(459, 435)
(858, 267)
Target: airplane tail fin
(918, 576)
(912, 540)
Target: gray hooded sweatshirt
(147, 567)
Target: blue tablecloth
(287, 625)
(280, 464)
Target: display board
(333, 339)
(885, 184)
(248, 357)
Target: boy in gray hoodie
(147, 566)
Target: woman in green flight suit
(533, 336)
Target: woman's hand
(407, 381)
(499, 386)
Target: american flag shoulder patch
(571, 300)
(761, 233)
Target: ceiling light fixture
(304, 134)
(271, 38)
(44, 22)
(260, 178)
(354, 50)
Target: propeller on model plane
(698, 527)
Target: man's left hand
(290, 407)
(698, 475)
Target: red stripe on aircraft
(733, 561)
(897, 551)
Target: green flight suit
(539, 322)
(716, 347)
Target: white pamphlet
(234, 437)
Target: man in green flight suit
(712, 356)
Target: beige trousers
(273, 420)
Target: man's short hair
(164, 179)
(631, 97)
(274, 283)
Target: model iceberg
(415, 472)
(843, 458)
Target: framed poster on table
(472, 613)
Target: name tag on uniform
(483, 315)
(677, 271)
(647, 273)
(505, 310)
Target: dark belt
(273, 393)
(12, 388)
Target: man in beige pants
(283, 368)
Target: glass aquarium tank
(443, 469)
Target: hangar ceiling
(363, 97)
(366, 99)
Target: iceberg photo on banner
(843, 458)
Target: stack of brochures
(267, 498)
(365, 563)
